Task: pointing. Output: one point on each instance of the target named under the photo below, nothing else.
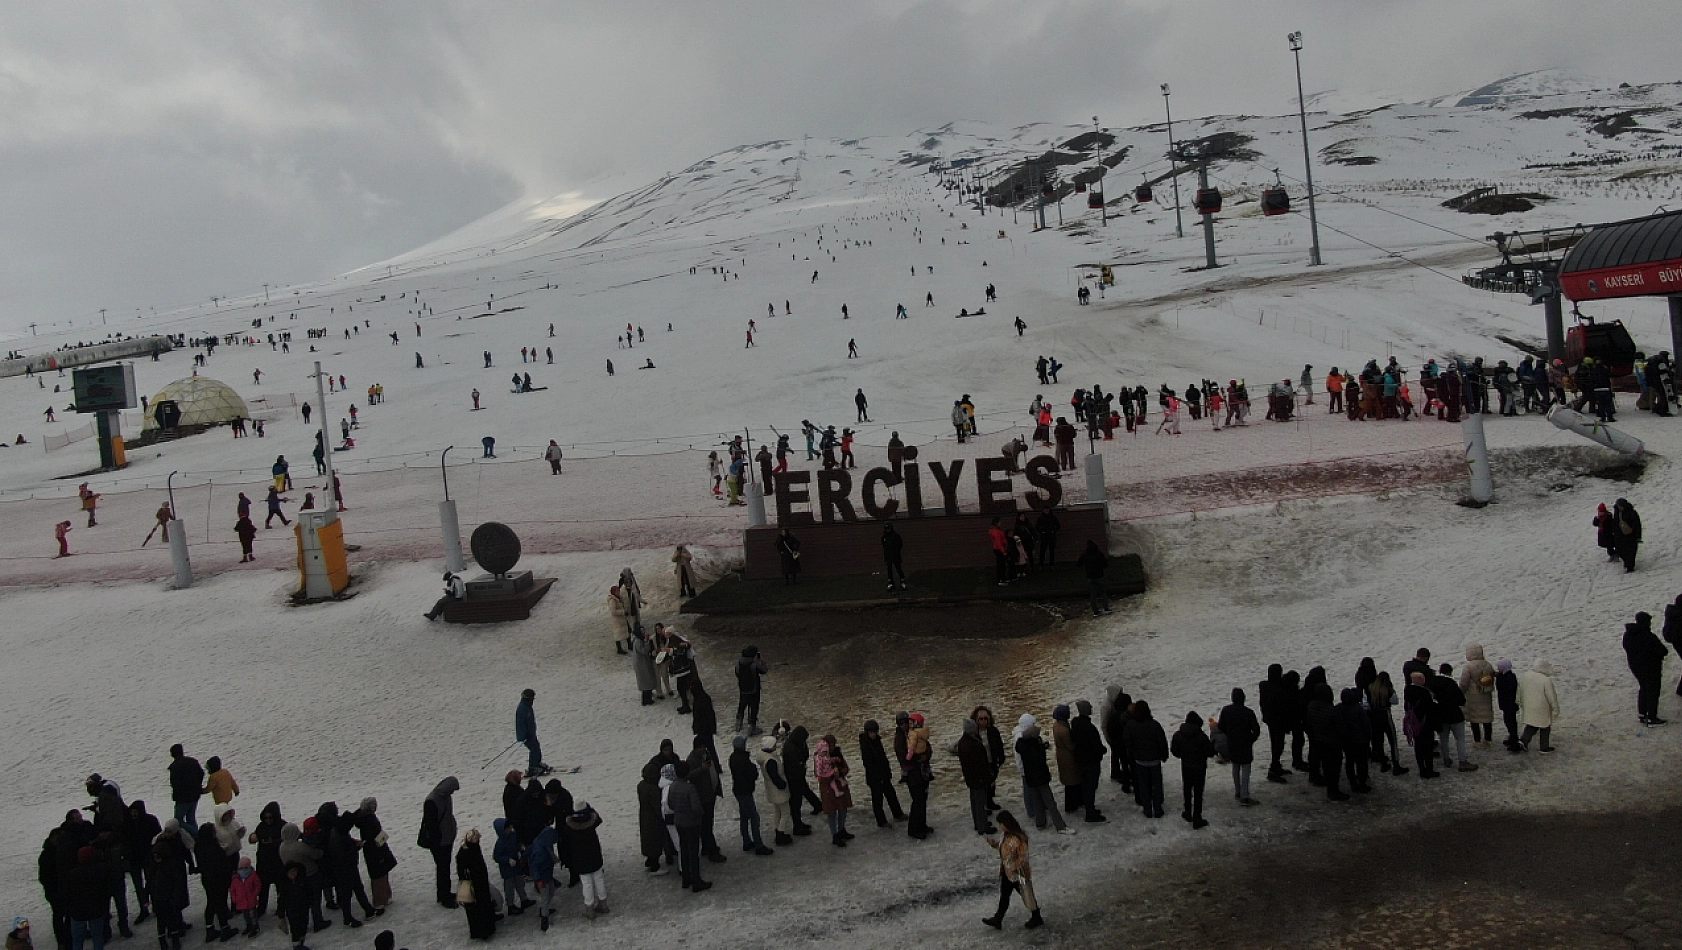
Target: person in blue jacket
(525, 732)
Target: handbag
(464, 892)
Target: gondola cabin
(1080, 188)
(1208, 201)
(1142, 194)
(1607, 343)
(1048, 190)
(1275, 201)
(1094, 200)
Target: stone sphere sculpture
(495, 547)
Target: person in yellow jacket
(220, 785)
(1014, 873)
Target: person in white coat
(774, 792)
(1538, 704)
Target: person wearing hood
(1089, 757)
(216, 872)
(242, 895)
(916, 771)
(879, 775)
(168, 865)
(795, 755)
(291, 889)
(344, 854)
(540, 864)
(978, 777)
(1626, 532)
(1030, 751)
(1275, 712)
(1645, 654)
(438, 835)
(1538, 705)
(302, 894)
(1238, 723)
(749, 668)
(709, 786)
(87, 898)
(1477, 684)
(510, 863)
(652, 836)
(1015, 875)
(318, 829)
(775, 791)
(1194, 750)
(139, 831)
(18, 937)
(744, 777)
(1068, 767)
(376, 853)
(584, 847)
(1326, 742)
(474, 893)
(1354, 730)
(1148, 744)
(220, 784)
(1115, 724)
(830, 769)
(270, 869)
(1506, 696)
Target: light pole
(1307, 162)
(1179, 227)
(1103, 209)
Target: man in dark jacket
(1646, 661)
(893, 557)
(1194, 750)
(878, 774)
(1115, 725)
(795, 756)
(47, 873)
(1672, 630)
(688, 813)
(186, 785)
(749, 668)
(1148, 745)
(709, 785)
(1276, 712)
(1327, 745)
(1506, 698)
(87, 898)
(1094, 561)
(1241, 729)
(1419, 704)
(1354, 728)
(343, 856)
(978, 777)
(1047, 526)
(744, 776)
(525, 731)
(1451, 716)
(138, 832)
(531, 814)
(1089, 756)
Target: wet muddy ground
(1483, 882)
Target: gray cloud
(155, 154)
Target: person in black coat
(788, 552)
(1326, 750)
(270, 869)
(1115, 725)
(86, 893)
(1275, 711)
(1646, 661)
(216, 872)
(531, 814)
(1420, 724)
(744, 778)
(1047, 526)
(795, 756)
(1672, 631)
(1626, 532)
(470, 867)
(893, 557)
(344, 860)
(186, 786)
(168, 866)
(138, 833)
(879, 774)
(559, 803)
(1506, 698)
(1238, 723)
(1036, 780)
(1315, 678)
(512, 790)
(1355, 731)
(1147, 743)
(1451, 715)
(1089, 756)
(988, 731)
(708, 781)
(978, 777)
(1193, 749)
(47, 874)
(750, 669)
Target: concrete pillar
(1553, 307)
(1095, 490)
(756, 505)
(178, 554)
(452, 537)
(1477, 457)
(1675, 329)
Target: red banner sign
(1660, 278)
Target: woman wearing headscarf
(830, 769)
(473, 891)
(1538, 705)
(651, 824)
(376, 853)
(1477, 682)
(216, 872)
(171, 860)
(1419, 723)
(270, 869)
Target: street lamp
(1179, 227)
(1307, 162)
(1103, 208)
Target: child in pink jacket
(242, 895)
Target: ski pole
(500, 755)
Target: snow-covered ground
(106, 667)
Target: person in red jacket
(1001, 552)
(242, 895)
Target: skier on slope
(525, 732)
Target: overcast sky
(156, 153)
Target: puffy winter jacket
(293, 850)
(1477, 684)
(1030, 749)
(506, 852)
(688, 808)
(540, 857)
(1537, 700)
(583, 847)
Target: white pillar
(452, 537)
(756, 505)
(1095, 490)
(178, 553)
(1477, 457)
